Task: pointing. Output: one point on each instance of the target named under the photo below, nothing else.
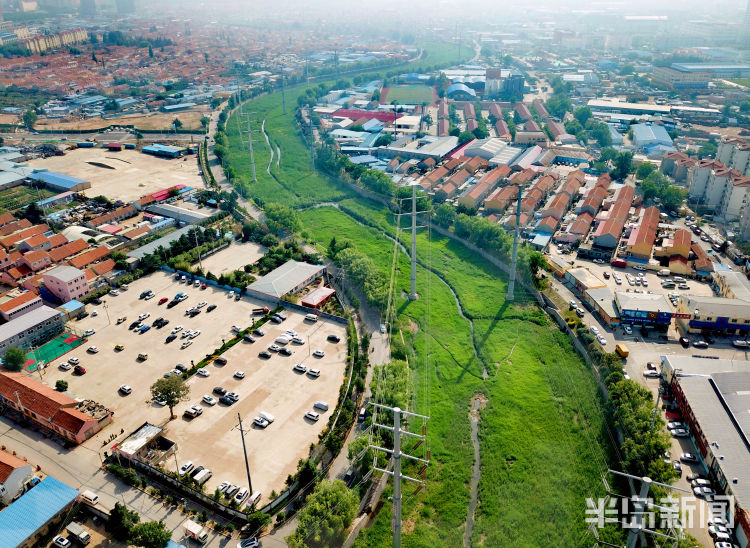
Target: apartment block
(66, 283)
(719, 189)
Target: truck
(203, 476)
(195, 531)
(261, 311)
(622, 350)
(77, 531)
(664, 272)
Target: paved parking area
(212, 439)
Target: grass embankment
(541, 429)
(541, 432)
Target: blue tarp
(34, 509)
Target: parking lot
(234, 257)
(212, 439)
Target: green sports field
(410, 95)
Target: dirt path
(270, 148)
(478, 402)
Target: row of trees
(125, 525)
(334, 163)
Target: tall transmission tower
(249, 139)
(396, 454)
(413, 295)
(514, 261)
(283, 95)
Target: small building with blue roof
(28, 519)
(59, 181)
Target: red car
(79, 370)
(163, 300)
(204, 286)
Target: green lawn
(410, 94)
(541, 432)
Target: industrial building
(288, 278)
(713, 396)
(30, 518)
(163, 151)
(644, 309)
(59, 182)
(31, 329)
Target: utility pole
(396, 454)
(283, 95)
(413, 294)
(244, 450)
(252, 154)
(312, 142)
(512, 280)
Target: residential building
(20, 305)
(66, 283)
(734, 153)
(14, 475)
(643, 235)
(720, 315)
(677, 165)
(674, 77)
(718, 189)
(31, 329)
(65, 417)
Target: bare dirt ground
(133, 173)
(212, 439)
(233, 258)
(191, 119)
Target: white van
(282, 339)
(203, 476)
(90, 497)
(311, 317)
(254, 498)
(268, 416)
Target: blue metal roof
(56, 179)
(34, 509)
(71, 306)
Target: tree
(326, 516)
(707, 149)
(33, 213)
(14, 358)
(445, 215)
(465, 137)
(121, 522)
(171, 390)
(150, 51)
(177, 123)
(623, 162)
(152, 534)
(384, 140)
(672, 197)
(582, 115)
(644, 170)
(61, 385)
(29, 119)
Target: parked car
(226, 401)
(689, 458)
(323, 406)
(265, 354)
(163, 300)
(700, 344)
(680, 433)
(211, 307)
(186, 344)
(125, 389)
(334, 338)
(170, 338)
(319, 353)
(239, 374)
(92, 349)
(260, 422)
(65, 366)
(73, 360)
(258, 332)
(208, 400)
(685, 342)
(649, 374)
(312, 415)
(219, 390)
(285, 351)
(203, 372)
(79, 370)
(314, 373)
(300, 368)
(61, 542)
(89, 332)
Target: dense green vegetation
(542, 435)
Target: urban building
(19, 305)
(644, 309)
(29, 519)
(735, 154)
(675, 77)
(31, 329)
(718, 189)
(651, 139)
(68, 419)
(719, 315)
(14, 476)
(66, 283)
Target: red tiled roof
(56, 240)
(103, 267)
(15, 302)
(682, 237)
(34, 256)
(8, 463)
(89, 257)
(71, 420)
(6, 218)
(10, 241)
(33, 395)
(66, 250)
(36, 240)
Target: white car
(143, 316)
(74, 361)
(92, 349)
(61, 542)
(195, 333)
(239, 374)
(628, 330)
(261, 422)
(594, 329)
(208, 400)
(89, 332)
(298, 340)
(176, 328)
(323, 406)
(186, 334)
(201, 304)
(203, 372)
(223, 486)
(319, 353)
(299, 367)
(602, 340)
(125, 389)
(314, 372)
(65, 366)
(184, 345)
(651, 374)
(312, 415)
(114, 292)
(185, 468)
(382, 328)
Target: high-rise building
(87, 8)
